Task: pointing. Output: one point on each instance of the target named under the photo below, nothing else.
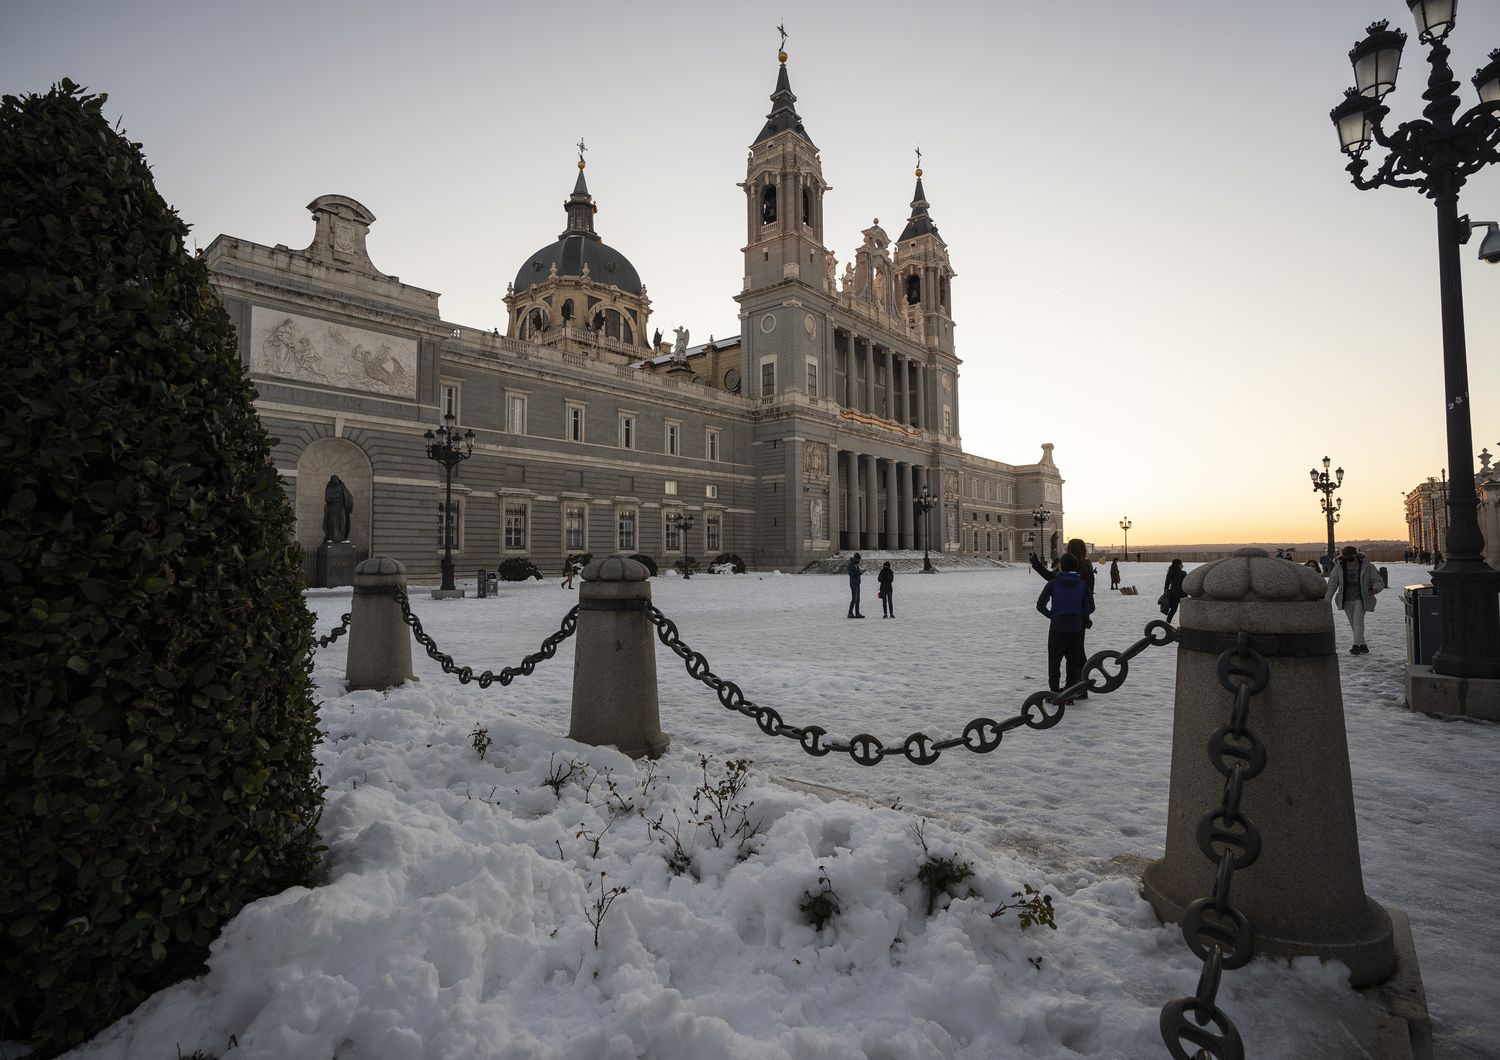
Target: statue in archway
(338, 506)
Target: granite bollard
(1304, 894)
(379, 638)
(614, 673)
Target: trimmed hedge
(156, 771)
(732, 559)
(517, 569)
(646, 561)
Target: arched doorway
(321, 459)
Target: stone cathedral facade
(813, 431)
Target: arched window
(536, 323)
(567, 311)
(612, 324)
(626, 333)
(768, 205)
(943, 292)
(807, 206)
(913, 289)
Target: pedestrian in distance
(1114, 574)
(855, 573)
(1172, 591)
(1352, 586)
(1066, 603)
(571, 567)
(1085, 570)
(886, 578)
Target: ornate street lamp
(682, 524)
(1323, 483)
(448, 448)
(1040, 516)
(924, 505)
(1125, 525)
(1436, 155)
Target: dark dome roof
(571, 253)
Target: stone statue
(656, 339)
(338, 506)
(680, 350)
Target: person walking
(1352, 586)
(886, 577)
(1114, 574)
(855, 572)
(1172, 591)
(1066, 603)
(571, 567)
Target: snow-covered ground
(454, 920)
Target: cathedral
(831, 422)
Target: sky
(451, 919)
(1162, 267)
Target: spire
(580, 205)
(919, 223)
(783, 116)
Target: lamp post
(924, 505)
(682, 524)
(1325, 484)
(1040, 517)
(1436, 155)
(448, 448)
(1125, 525)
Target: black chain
(507, 674)
(981, 735)
(343, 627)
(1220, 935)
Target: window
(674, 439)
(574, 422)
(767, 378)
(627, 430)
(711, 492)
(625, 530)
(672, 535)
(515, 526)
(768, 205)
(454, 525)
(711, 444)
(669, 487)
(448, 400)
(812, 378)
(515, 413)
(711, 533)
(574, 521)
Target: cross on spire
(919, 160)
(781, 28)
(581, 150)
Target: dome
(571, 253)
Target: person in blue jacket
(1066, 602)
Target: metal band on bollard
(1279, 645)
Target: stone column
(851, 487)
(898, 387)
(379, 638)
(870, 378)
(871, 537)
(835, 501)
(903, 506)
(920, 402)
(614, 668)
(849, 368)
(892, 536)
(1304, 894)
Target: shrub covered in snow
(157, 769)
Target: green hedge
(737, 564)
(156, 770)
(646, 561)
(517, 569)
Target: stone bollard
(614, 670)
(379, 639)
(1304, 894)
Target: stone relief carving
(818, 524)
(950, 484)
(315, 351)
(815, 460)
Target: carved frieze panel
(950, 485)
(815, 461)
(315, 351)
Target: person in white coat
(1352, 586)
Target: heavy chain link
(1220, 935)
(981, 735)
(507, 674)
(343, 627)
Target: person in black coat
(856, 571)
(1172, 591)
(1080, 552)
(886, 577)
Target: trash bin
(489, 584)
(1423, 627)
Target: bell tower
(925, 273)
(784, 190)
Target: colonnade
(906, 383)
(863, 481)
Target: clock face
(732, 380)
